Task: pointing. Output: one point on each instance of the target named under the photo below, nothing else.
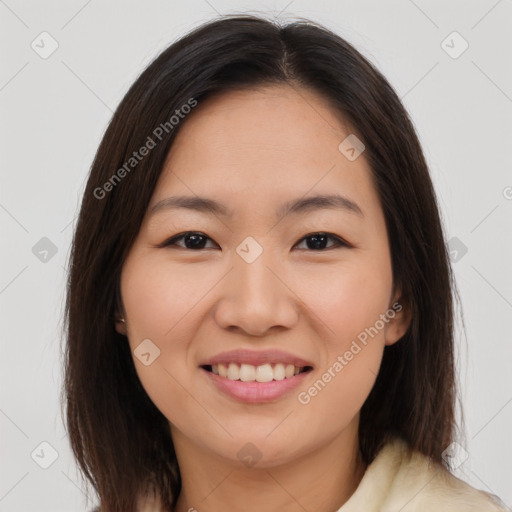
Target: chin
(257, 451)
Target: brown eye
(191, 239)
(195, 240)
(318, 241)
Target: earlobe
(121, 325)
(398, 322)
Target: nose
(256, 298)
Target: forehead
(274, 116)
(278, 140)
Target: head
(255, 117)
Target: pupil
(318, 240)
(197, 241)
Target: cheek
(159, 304)
(349, 303)
(158, 297)
(348, 299)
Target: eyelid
(339, 241)
(174, 238)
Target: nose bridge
(253, 277)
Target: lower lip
(256, 392)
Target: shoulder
(426, 485)
(399, 479)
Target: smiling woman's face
(253, 282)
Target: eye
(318, 241)
(196, 240)
(193, 240)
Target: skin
(254, 150)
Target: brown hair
(120, 439)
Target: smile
(250, 373)
(273, 388)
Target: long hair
(121, 441)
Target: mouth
(260, 383)
(267, 372)
(255, 376)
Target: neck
(322, 480)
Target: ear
(399, 314)
(120, 326)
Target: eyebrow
(295, 207)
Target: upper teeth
(262, 373)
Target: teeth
(279, 373)
(223, 371)
(233, 371)
(264, 373)
(289, 371)
(247, 372)
(250, 373)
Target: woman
(259, 306)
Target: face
(260, 290)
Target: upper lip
(256, 358)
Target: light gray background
(54, 112)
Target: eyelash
(338, 241)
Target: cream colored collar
(405, 481)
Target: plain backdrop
(55, 108)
